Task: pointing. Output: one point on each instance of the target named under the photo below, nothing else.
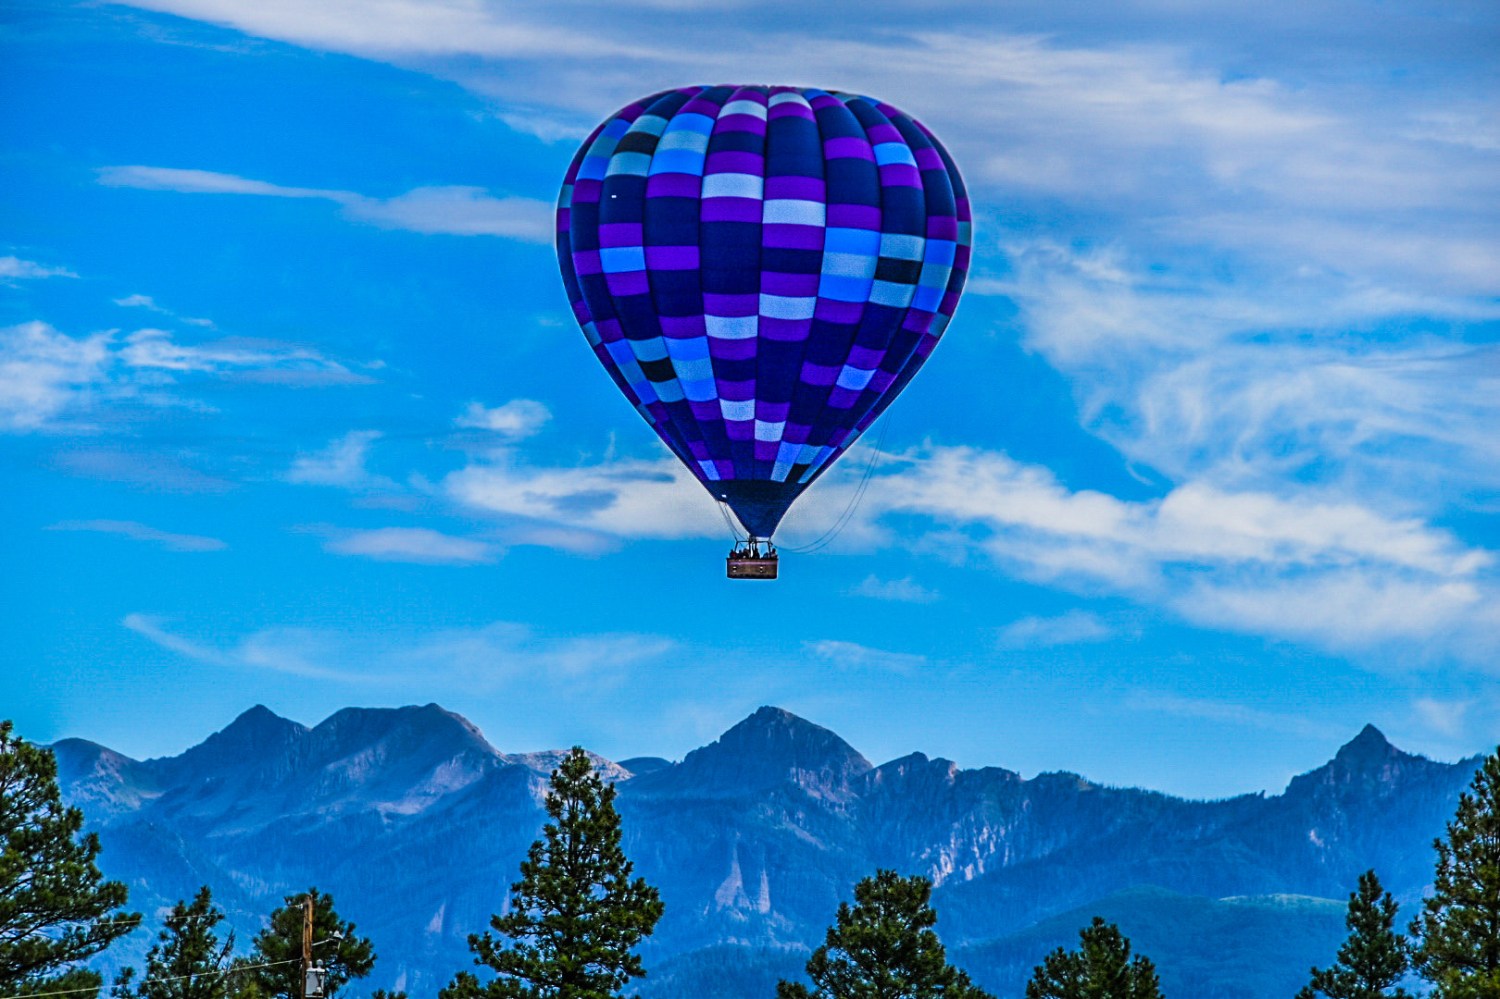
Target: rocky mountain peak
(429, 729)
(771, 747)
(105, 781)
(255, 736)
(778, 736)
(1369, 746)
(640, 765)
(258, 722)
(1367, 764)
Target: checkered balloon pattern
(761, 270)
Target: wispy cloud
(1447, 718)
(1230, 297)
(260, 360)
(1334, 573)
(43, 373)
(390, 29)
(136, 531)
(1229, 713)
(148, 303)
(49, 379)
(485, 658)
(342, 464)
(1329, 571)
(904, 590)
(458, 211)
(1214, 292)
(1201, 378)
(182, 181)
(515, 419)
(152, 468)
(152, 629)
(14, 268)
(1075, 627)
(626, 498)
(1045, 105)
(412, 544)
(854, 656)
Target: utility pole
(307, 934)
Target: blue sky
(1204, 476)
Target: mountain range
(417, 826)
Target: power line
(153, 981)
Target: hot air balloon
(761, 269)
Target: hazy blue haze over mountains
(417, 825)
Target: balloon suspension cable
(833, 532)
(734, 532)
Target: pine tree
(1457, 946)
(56, 909)
(188, 961)
(884, 947)
(337, 948)
(1101, 968)
(575, 915)
(1373, 958)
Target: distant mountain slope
(1204, 948)
(417, 825)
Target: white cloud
(483, 658)
(412, 544)
(151, 628)
(151, 178)
(44, 372)
(1261, 224)
(1334, 574)
(515, 419)
(1447, 718)
(262, 360)
(136, 531)
(458, 211)
(341, 464)
(148, 303)
(904, 590)
(1232, 714)
(1155, 124)
(853, 656)
(50, 380)
(14, 268)
(1324, 570)
(546, 126)
(1249, 236)
(627, 498)
(1075, 627)
(1227, 383)
(390, 27)
(1354, 607)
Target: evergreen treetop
(576, 914)
(188, 961)
(1457, 935)
(884, 947)
(1101, 968)
(278, 947)
(56, 909)
(1373, 958)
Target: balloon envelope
(761, 270)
